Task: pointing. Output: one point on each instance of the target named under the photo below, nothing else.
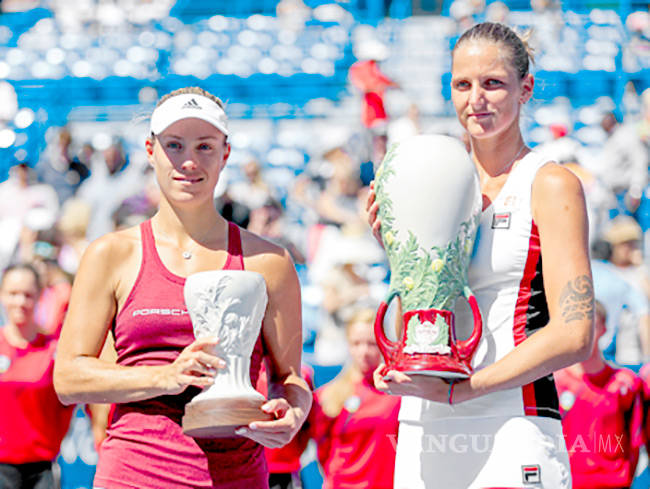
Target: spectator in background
(404, 127)
(23, 204)
(342, 287)
(497, 12)
(112, 181)
(633, 333)
(253, 191)
(462, 12)
(368, 78)
(628, 308)
(73, 226)
(32, 421)
(547, 25)
(42, 251)
(355, 425)
(562, 146)
(269, 221)
(59, 168)
(602, 416)
(624, 162)
(624, 235)
(643, 480)
(609, 123)
(141, 205)
(292, 14)
(644, 373)
(284, 463)
(341, 201)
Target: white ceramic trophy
(429, 206)
(229, 305)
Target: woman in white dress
(501, 427)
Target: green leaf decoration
(424, 278)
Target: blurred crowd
(83, 187)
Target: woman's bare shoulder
(558, 192)
(264, 256)
(554, 179)
(255, 246)
(112, 252)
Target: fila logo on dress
(531, 474)
(191, 104)
(501, 220)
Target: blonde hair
(338, 390)
(75, 217)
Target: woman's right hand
(372, 207)
(196, 365)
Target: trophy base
(438, 373)
(219, 418)
(442, 366)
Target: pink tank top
(146, 447)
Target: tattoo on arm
(577, 299)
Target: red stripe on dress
(521, 307)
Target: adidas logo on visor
(191, 104)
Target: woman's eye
(205, 147)
(461, 85)
(173, 145)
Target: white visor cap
(186, 106)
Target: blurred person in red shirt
(355, 425)
(366, 76)
(32, 420)
(284, 463)
(644, 373)
(602, 417)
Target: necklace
(507, 167)
(188, 253)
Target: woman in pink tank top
(130, 285)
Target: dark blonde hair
(521, 54)
(336, 392)
(192, 90)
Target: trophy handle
(389, 349)
(467, 347)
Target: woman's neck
(20, 336)
(198, 223)
(496, 156)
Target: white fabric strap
(185, 106)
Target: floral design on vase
(423, 278)
(216, 315)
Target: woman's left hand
(278, 432)
(398, 383)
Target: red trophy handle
(389, 349)
(467, 347)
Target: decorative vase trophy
(230, 305)
(429, 206)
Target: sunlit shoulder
(271, 260)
